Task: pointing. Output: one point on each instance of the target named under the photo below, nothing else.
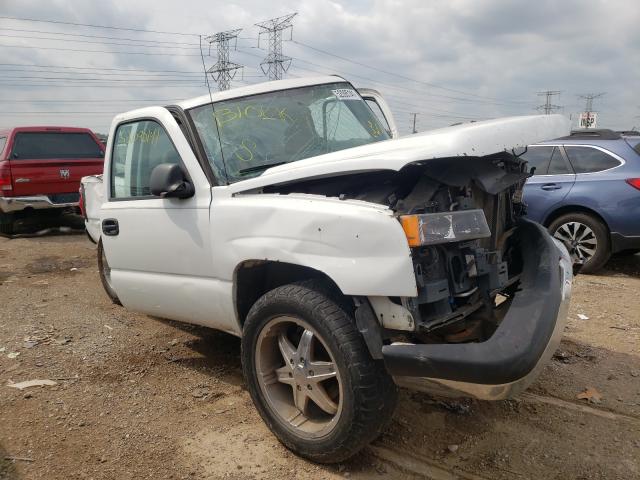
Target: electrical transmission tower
(224, 70)
(275, 64)
(589, 98)
(549, 107)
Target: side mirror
(168, 180)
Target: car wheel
(6, 223)
(310, 374)
(586, 238)
(105, 274)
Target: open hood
(467, 140)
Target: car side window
(538, 158)
(558, 166)
(138, 148)
(3, 140)
(588, 159)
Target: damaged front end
(493, 287)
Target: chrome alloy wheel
(298, 376)
(579, 240)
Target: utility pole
(548, 107)
(275, 64)
(414, 122)
(224, 70)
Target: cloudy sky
(449, 61)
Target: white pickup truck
(348, 260)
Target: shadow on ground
(217, 353)
(622, 264)
(39, 224)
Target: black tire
(103, 270)
(368, 394)
(601, 232)
(6, 223)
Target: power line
(48, 32)
(31, 77)
(276, 63)
(92, 85)
(96, 68)
(75, 40)
(433, 85)
(102, 51)
(548, 107)
(370, 81)
(133, 74)
(223, 71)
(59, 22)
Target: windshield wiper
(258, 168)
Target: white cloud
(502, 50)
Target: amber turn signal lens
(411, 227)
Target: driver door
(158, 249)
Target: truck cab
(349, 261)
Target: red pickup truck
(41, 168)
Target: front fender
(359, 245)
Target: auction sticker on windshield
(346, 94)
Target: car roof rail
(629, 133)
(599, 133)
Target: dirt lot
(139, 397)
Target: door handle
(551, 186)
(110, 227)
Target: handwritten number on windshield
(245, 152)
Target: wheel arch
(565, 209)
(254, 278)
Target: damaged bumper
(512, 358)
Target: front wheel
(586, 238)
(311, 376)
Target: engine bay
(464, 287)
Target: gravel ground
(140, 397)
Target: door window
(3, 140)
(558, 166)
(538, 158)
(589, 159)
(137, 149)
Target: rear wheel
(6, 223)
(105, 274)
(310, 374)
(586, 238)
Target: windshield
(245, 136)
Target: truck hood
(468, 140)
